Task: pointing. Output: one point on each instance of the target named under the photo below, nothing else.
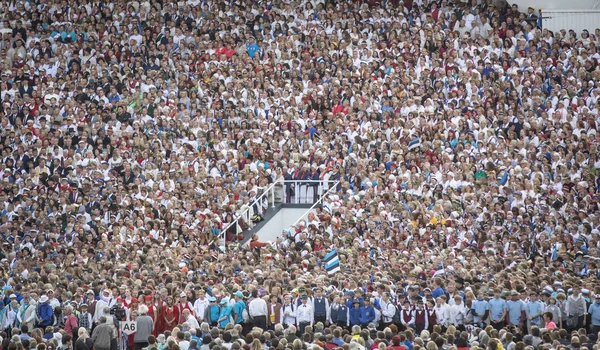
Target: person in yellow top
(40, 169)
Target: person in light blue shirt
(251, 48)
(594, 311)
(238, 307)
(515, 309)
(481, 310)
(224, 313)
(535, 310)
(497, 311)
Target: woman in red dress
(171, 314)
(159, 326)
(133, 307)
(151, 310)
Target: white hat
(43, 299)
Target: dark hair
(151, 339)
(227, 337)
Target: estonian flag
(414, 143)
(332, 262)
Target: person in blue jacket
(45, 312)
(367, 313)
(355, 313)
(352, 298)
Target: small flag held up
(414, 143)
(332, 262)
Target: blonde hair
(82, 333)
(256, 345)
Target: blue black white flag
(414, 143)
(332, 262)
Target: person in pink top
(549, 323)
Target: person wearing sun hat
(45, 313)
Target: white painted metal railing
(283, 191)
(243, 219)
(331, 190)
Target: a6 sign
(128, 327)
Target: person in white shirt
(387, 308)
(258, 311)
(457, 312)
(288, 312)
(442, 311)
(321, 307)
(200, 306)
(190, 319)
(304, 314)
(54, 302)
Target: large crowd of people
(463, 135)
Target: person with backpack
(287, 315)
(84, 341)
(388, 311)
(9, 315)
(45, 312)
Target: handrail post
(272, 196)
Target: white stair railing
(243, 220)
(283, 191)
(331, 190)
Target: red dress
(171, 313)
(152, 314)
(159, 323)
(130, 342)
